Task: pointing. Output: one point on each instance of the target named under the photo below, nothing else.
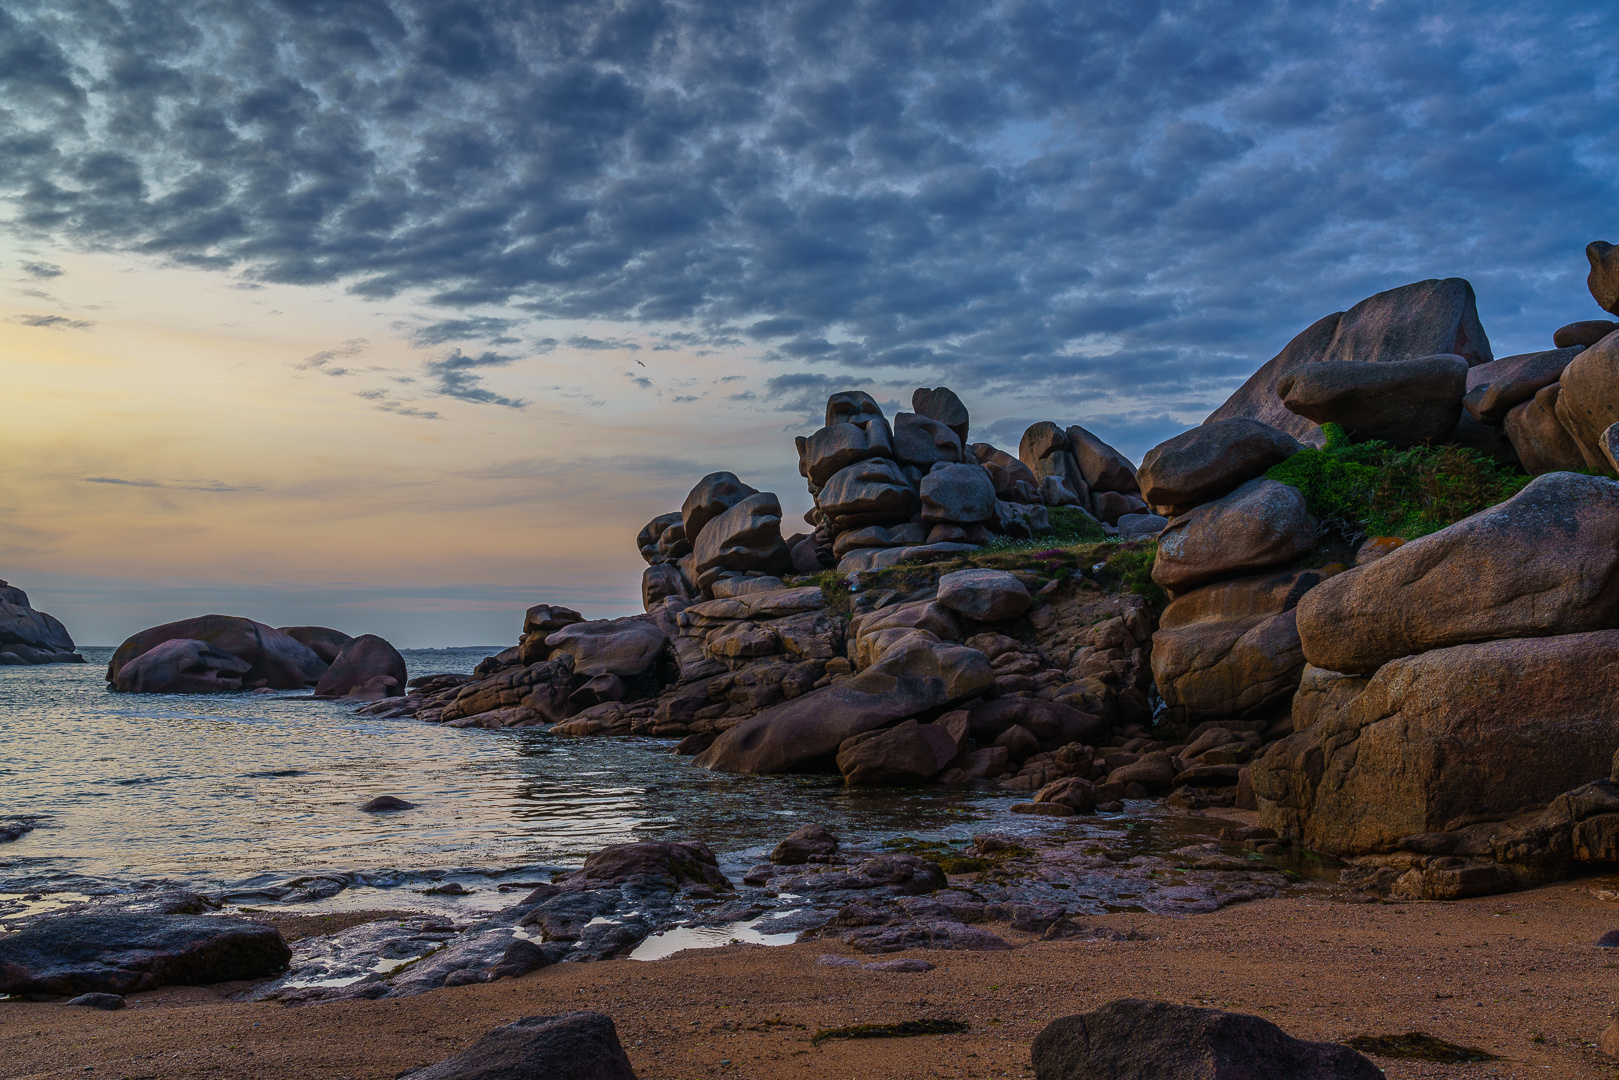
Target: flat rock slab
(120, 953)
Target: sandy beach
(1516, 975)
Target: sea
(242, 796)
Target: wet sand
(1517, 975)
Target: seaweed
(903, 1029)
(952, 861)
(1418, 1046)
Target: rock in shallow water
(119, 953)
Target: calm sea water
(233, 791)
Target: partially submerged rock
(367, 667)
(31, 637)
(804, 734)
(274, 659)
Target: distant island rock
(223, 653)
(31, 637)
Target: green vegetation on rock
(1372, 489)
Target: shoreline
(1492, 972)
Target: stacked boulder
(1072, 467)
(1226, 651)
(1559, 407)
(31, 637)
(917, 490)
(223, 653)
(1460, 713)
(725, 533)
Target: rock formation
(224, 653)
(1374, 711)
(31, 637)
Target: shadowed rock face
(1544, 562)
(1589, 401)
(1153, 1040)
(31, 637)
(119, 953)
(274, 659)
(1439, 741)
(1403, 402)
(572, 1046)
(323, 641)
(1542, 443)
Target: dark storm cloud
(1091, 203)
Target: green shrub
(1372, 489)
(1131, 565)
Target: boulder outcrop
(1542, 443)
(1262, 524)
(918, 680)
(274, 660)
(181, 666)
(1442, 740)
(984, 595)
(31, 637)
(367, 668)
(1544, 562)
(1232, 650)
(1494, 389)
(1204, 463)
(1588, 403)
(1424, 318)
(1603, 280)
(942, 404)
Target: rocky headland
(31, 637)
(1365, 617)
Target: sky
(401, 317)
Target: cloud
(488, 328)
(323, 360)
(42, 270)
(452, 377)
(51, 322)
(580, 341)
(382, 401)
(803, 393)
(1135, 202)
(212, 486)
